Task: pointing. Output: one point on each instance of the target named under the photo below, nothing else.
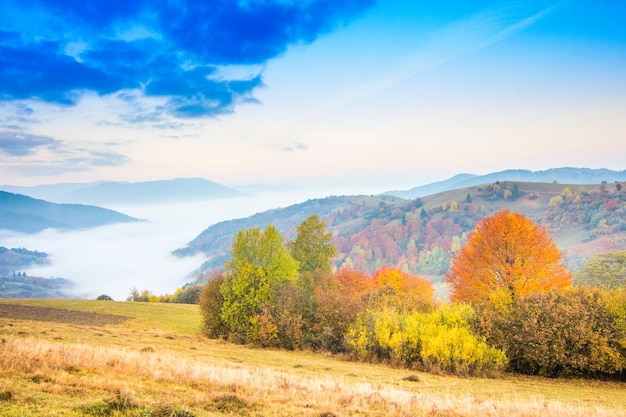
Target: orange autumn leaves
(506, 253)
(388, 285)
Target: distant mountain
(28, 215)
(433, 188)
(560, 175)
(147, 192)
(49, 192)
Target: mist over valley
(175, 241)
(114, 258)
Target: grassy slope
(532, 208)
(157, 364)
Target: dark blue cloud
(52, 50)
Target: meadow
(152, 361)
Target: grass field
(155, 363)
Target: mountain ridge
(565, 175)
(25, 214)
(120, 192)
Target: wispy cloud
(203, 57)
(16, 115)
(457, 40)
(30, 154)
(77, 162)
(294, 147)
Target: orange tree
(506, 253)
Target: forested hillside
(28, 215)
(421, 235)
(15, 259)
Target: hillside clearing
(156, 363)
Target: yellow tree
(404, 290)
(506, 253)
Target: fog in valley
(113, 259)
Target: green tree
(313, 247)
(190, 294)
(259, 266)
(607, 270)
(434, 262)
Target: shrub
(579, 332)
(607, 270)
(211, 301)
(441, 340)
(104, 297)
(190, 294)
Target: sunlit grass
(157, 363)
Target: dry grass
(56, 369)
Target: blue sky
(386, 94)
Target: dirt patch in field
(58, 315)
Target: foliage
(312, 247)
(104, 297)
(190, 294)
(403, 290)
(332, 313)
(434, 262)
(20, 285)
(258, 267)
(500, 191)
(441, 340)
(506, 251)
(577, 332)
(607, 270)
(211, 302)
(599, 213)
(354, 283)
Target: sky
(384, 94)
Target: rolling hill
(420, 235)
(28, 215)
